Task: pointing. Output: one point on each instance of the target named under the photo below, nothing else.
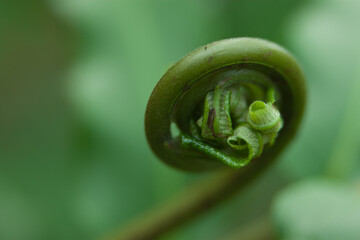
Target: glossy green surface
(185, 84)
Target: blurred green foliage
(75, 79)
(318, 209)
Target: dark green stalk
(247, 132)
(190, 203)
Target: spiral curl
(235, 102)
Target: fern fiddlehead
(236, 103)
(230, 100)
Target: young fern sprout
(235, 102)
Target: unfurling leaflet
(230, 122)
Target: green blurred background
(75, 77)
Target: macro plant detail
(139, 120)
(229, 121)
(232, 105)
(231, 101)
